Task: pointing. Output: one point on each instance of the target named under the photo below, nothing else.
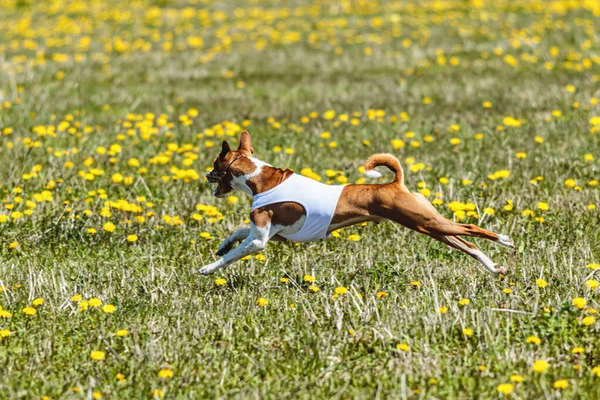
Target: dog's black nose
(214, 176)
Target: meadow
(111, 113)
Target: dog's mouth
(218, 194)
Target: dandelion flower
(561, 384)
(381, 295)
(132, 238)
(109, 227)
(220, 281)
(97, 355)
(122, 332)
(29, 311)
(165, 373)
(262, 302)
(587, 321)
(578, 350)
(94, 302)
(340, 290)
(516, 378)
(309, 279)
(579, 302)
(468, 332)
(403, 347)
(591, 284)
(533, 340)
(109, 309)
(540, 366)
(38, 302)
(541, 283)
(505, 388)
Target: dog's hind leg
(416, 212)
(472, 250)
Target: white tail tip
(372, 174)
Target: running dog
(288, 206)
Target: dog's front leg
(260, 233)
(235, 237)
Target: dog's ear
(224, 149)
(246, 143)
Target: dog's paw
(505, 241)
(209, 269)
(501, 270)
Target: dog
(288, 206)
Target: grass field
(112, 111)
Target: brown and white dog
(238, 170)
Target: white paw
(504, 240)
(209, 269)
(372, 174)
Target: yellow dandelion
(561, 384)
(579, 302)
(38, 302)
(29, 311)
(220, 281)
(403, 347)
(340, 290)
(516, 378)
(97, 355)
(262, 302)
(505, 388)
(541, 283)
(540, 366)
(165, 373)
(109, 309)
(588, 321)
(533, 340)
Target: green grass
(252, 72)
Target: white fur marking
(485, 260)
(256, 241)
(239, 182)
(372, 174)
(504, 240)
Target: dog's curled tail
(387, 160)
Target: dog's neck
(258, 176)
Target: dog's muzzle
(215, 176)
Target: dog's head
(227, 162)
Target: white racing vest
(319, 202)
